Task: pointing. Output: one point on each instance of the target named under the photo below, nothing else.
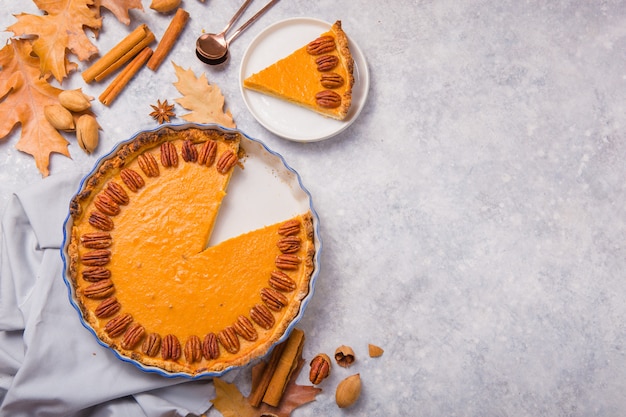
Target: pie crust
(317, 76)
(142, 274)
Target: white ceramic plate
(265, 192)
(280, 117)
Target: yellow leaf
(205, 101)
(230, 402)
(119, 8)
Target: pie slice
(143, 277)
(317, 76)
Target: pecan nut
(193, 349)
(289, 228)
(287, 261)
(331, 80)
(117, 193)
(107, 308)
(100, 289)
(133, 336)
(189, 151)
(207, 153)
(170, 347)
(106, 205)
(148, 164)
(169, 156)
(227, 160)
(289, 244)
(132, 179)
(96, 273)
(320, 368)
(118, 325)
(273, 299)
(96, 240)
(282, 282)
(101, 221)
(97, 257)
(328, 99)
(151, 344)
(210, 346)
(321, 45)
(228, 338)
(244, 328)
(326, 62)
(262, 316)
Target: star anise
(162, 112)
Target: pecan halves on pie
(244, 328)
(100, 289)
(289, 244)
(287, 261)
(101, 221)
(169, 156)
(321, 45)
(133, 336)
(170, 347)
(328, 99)
(326, 62)
(273, 299)
(107, 308)
(97, 257)
(262, 316)
(117, 325)
(96, 240)
(96, 273)
(228, 338)
(289, 228)
(193, 349)
(117, 193)
(148, 164)
(151, 344)
(107, 205)
(210, 346)
(207, 153)
(132, 179)
(227, 160)
(282, 282)
(331, 80)
(189, 151)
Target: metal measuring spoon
(212, 48)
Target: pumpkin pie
(145, 279)
(317, 76)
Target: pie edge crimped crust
(345, 56)
(95, 183)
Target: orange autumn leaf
(205, 101)
(23, 96)
(119, 8)
(61, 28)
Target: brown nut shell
(344, 355)
(348, 391)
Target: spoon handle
(251, 20)
(243, 7)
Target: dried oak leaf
(204, 100)
(119, 8)
(60, 29)
(231, 403)
(23, 96)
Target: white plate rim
(255, 100)
(280, 163)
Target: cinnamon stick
(117, 53)
(127, 56)
(122, 79)
(258, 390)
(176, 26)
(286, 365)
